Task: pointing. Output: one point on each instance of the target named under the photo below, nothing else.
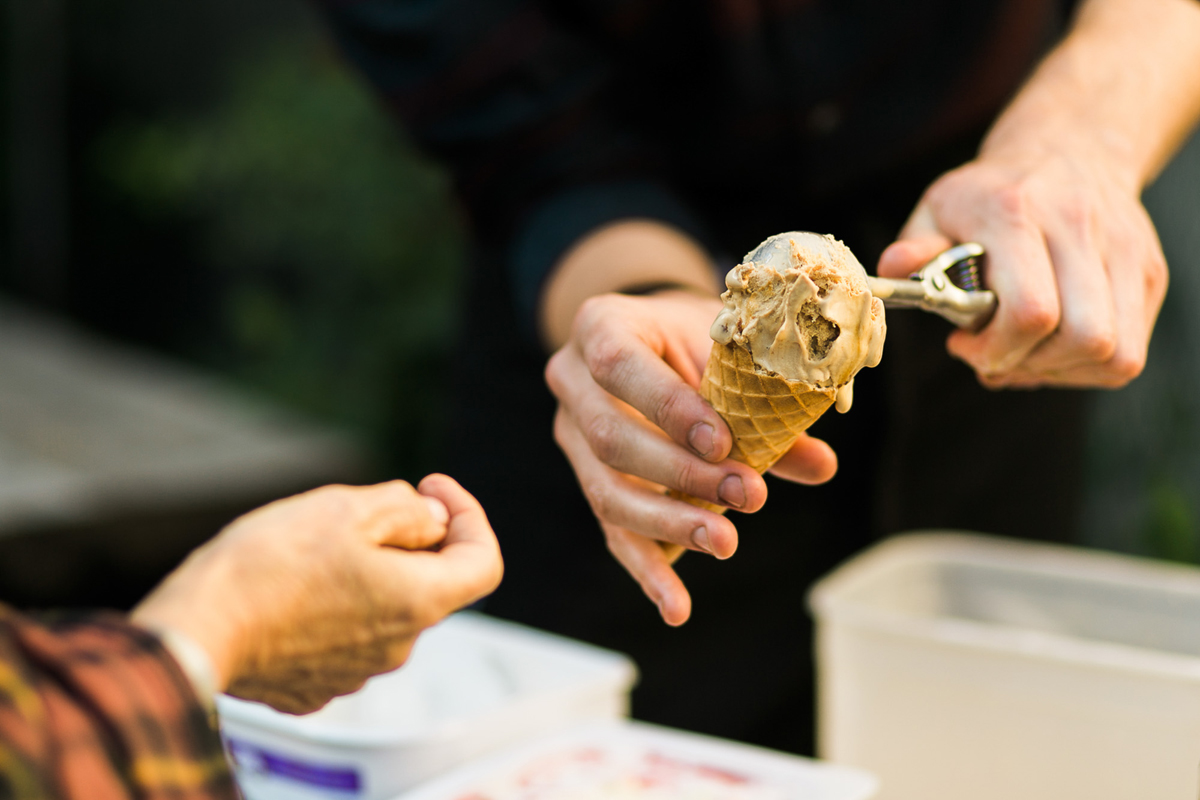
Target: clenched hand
(308, 597)
(1072, 256)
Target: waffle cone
(765, 413)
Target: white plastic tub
(472, 686)
(957, 666)
(635, 760)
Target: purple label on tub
(252, 758)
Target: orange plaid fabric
(94, 707)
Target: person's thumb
(917, 244)
(397, 516)
(468, 563)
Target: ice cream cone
(806, 309)
(765, 413)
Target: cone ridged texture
(765, 413)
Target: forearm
(618, 257)
(1124, 86)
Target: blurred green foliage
(1143, 483)
(336, 245)
(1172, 524)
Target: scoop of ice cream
(801, 306)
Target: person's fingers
(623, 440)
(990, 206)
(468, 523)
(467, 566)
(1087, 330)
(918, 243)
(1020, 273)
(392, 514)
(1116, 300)
(626, 366)
(650, 566)
(437, 510)
(632, 504)
(1137, 270)
(810, 461)
(1136, 299)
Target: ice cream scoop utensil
(950, 285)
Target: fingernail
(701, 438)
(700, 539)
(438, 510)
(732, 492)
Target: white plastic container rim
(836, 598)
(614, 670)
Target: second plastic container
(958, 666)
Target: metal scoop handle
(950, 285)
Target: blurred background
(226, 276)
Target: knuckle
(613, 541)
(673, 405)
(689, 478)
(594, 314)
(561, 423)
(947, 185)
(1035, 316)
(553, 372)
(403, 487)
(585, 317)
(1012, 201)
(606, 359)
(1124, 367)
(1157, 275)
(613, 547)
(600, 497)
(337, 501)
(495, 575)
(1097, 345)
(331, 493)
(592, 309)
(604, 435)
(492, 576)
(1077, 216)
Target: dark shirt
(733, 119)
(712, 115)
(93, 708)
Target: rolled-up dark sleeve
(561, 219)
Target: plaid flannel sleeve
(93, 707)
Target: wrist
(1121, 91)
(628, 255)
(1026, 144)
(193, 661)
(182, 606)
(188, 639)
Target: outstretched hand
(632, 424)
(308, 597)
